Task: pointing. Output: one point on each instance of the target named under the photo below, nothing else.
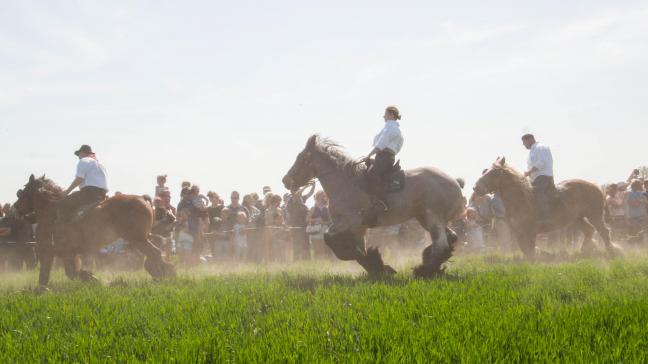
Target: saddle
(83, 211)
(392, 181)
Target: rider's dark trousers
(543, 189)
(75, 200)
(382, 164)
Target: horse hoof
(42, 289)
(615, 251)
(88, 277)
(428, 272)
(389, 270)
(169, 270)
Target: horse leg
(611, 248)
(527, 243)
(72, 265)
(436, 254)
(45, 253)
(154, 263)
(349, 245)
(588, 231)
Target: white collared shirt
(390, 137)
(540, 158)
(93, 173)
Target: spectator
(240, 237)
(297, 212)
(319, 220)
(615, 211)
(256, 222)
(275, 243)
(161, 185)
(635, 209)
(474, 231)
(501, 232)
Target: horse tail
(461, 182)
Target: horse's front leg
(350, 245)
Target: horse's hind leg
(588, 231)
(604, 232)
(154, 263)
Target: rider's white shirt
(92, 172)
(540, 158)
(390, 137)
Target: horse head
(491, 178)
(35, 194)
(302, 171)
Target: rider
(93, 187)
(540, 172)
(385, 147)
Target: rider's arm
(373, 151)
(77, 181)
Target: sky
(225, 94)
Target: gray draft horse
(430, 196)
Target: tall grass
(588, 311)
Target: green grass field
(586, 311)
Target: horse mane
(341, 160)
(51, 190)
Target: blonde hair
(394, 111)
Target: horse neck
(337, 183)
(516, 196)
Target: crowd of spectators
(250, 228)
(627, 209)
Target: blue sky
(225, 94)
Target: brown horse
(430, 196)
(582, 204)
(125, 216)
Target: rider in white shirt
(93, 187)
(386, 145)
(540, 173)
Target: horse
(581, 203)
(125, 216)
(429, 195)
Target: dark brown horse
(581, 204)
(430, 196)
(125, 216)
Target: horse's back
(581, 191)
(436, 188)
(129, 215)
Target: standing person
(319, 219)
(297, 212)
(615, 211)
(386, 145)
(161, 187)
(215, 213)
(91, 178)
(501, 232)
(635, 208)
(275, 246)
(540, 173)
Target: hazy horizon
(225, 95)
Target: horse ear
(312, 141)
(502, 161)
(32, 178)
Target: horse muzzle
(288, 183)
